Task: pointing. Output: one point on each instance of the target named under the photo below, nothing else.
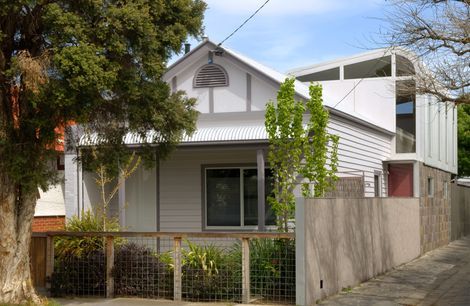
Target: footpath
(440, 277)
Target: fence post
(49, 260)
(109, 267)
(177, 283)
(245, 270)
(300, 253)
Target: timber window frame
(237, 176)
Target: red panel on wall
(400, 180)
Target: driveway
(440, 277)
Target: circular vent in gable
(210, 75)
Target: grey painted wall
(460, 211)
(347, 241)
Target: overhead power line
(244, 22)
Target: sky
(287, 34)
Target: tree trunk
(16, 216)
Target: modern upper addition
(378, 85)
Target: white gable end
(246, 91)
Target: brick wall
(434, 209)
(49, 223)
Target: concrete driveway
(440, 277)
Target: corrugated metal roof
(202, 136)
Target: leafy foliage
(272, 267)
(297, 153)
(138, 271)
(88, 222)
(463, 140)
(97, 63)
(210, 273)
(81, 275)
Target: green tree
(463, 132)
(299, 154)
(98, 63)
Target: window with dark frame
(405, 117)
(231, 197)
(325, 75)
(446, 190)
(376, 185)
(374, 68)
(430, 187)
(60, 162)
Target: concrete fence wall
(342, 242)
(460, 211)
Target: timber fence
(247, 267)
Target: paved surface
(440, 277)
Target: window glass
(223, 197)
(405, 117)
(404, 67)
(376, 186)
(430, 187)
(250, 197)
(325, 75)
(446, 190)
(379, 67)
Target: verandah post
(109, 266)
(245, 270)
(177, 283)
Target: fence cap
(169, 234)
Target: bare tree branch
(438, 32)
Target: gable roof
(301, 89)
(276, 76)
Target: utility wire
(244, 22)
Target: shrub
(138, 271)
(80, 265)
(79, 275)
(209, 273)
(272, 268)
(88, 222)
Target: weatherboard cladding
(361, 152)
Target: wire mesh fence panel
(272, 270)
(211, 269)
(79, 267)
(143, 267)
(202, 267)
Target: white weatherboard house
(389, 143)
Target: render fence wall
(460, 211)
(343, 242)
